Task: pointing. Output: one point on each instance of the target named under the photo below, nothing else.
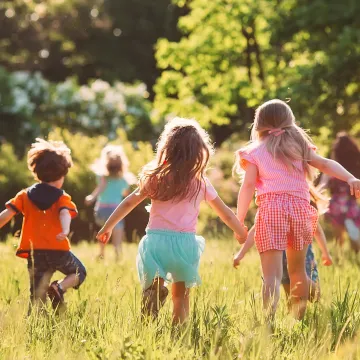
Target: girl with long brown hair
(277, 163)
(344, 211)
(176, 184)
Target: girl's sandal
(153, 300)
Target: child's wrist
(107, 228)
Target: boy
(47, 211)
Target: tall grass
(103, 322)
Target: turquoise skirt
(173, 256)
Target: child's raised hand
(326, 260)
(354, 187)
(104, 235)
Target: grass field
(103, 322)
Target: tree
(320, 41)
(217, 73)
(236, 54)
(108, 39)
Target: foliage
(320, 43)
(110, 39)
(80, 180)
(103, 322)
(235, 54)
(14, 176)
(35, 106)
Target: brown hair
(114, 166)
(183, 152)
(346, 152)
(112, 162)
(275, 124)
(49, 160)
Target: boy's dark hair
(49, 160)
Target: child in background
(176, 184)
(320, 203)
(277, 163)
(344, 211)
(113, 186)
(47, 211)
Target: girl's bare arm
(97, 191)
(246, 192)
(321, 241)
(249, 243)
(228, 217)
(334, 169)
(125, 207)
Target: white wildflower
(100, 86)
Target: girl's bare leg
(181, 302)
(102, 250)
(271, 263)
(299, 282)
(339, 235)
(117, 238)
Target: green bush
(14, 176)
(80, 180)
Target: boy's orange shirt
(41, 205)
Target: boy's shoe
(153, 300)
(56, 295)
(352, 230)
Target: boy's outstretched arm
(334, 169)
(228, 217)
(65, 220)
(125, 207)
(245, 248)
(246, 192)
(321, 241)
(6, 216)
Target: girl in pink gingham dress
(278, 162)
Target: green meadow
(102, 320)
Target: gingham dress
(285, 217)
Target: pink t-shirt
(181, 215)
(273, 175)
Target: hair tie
(276, 132)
